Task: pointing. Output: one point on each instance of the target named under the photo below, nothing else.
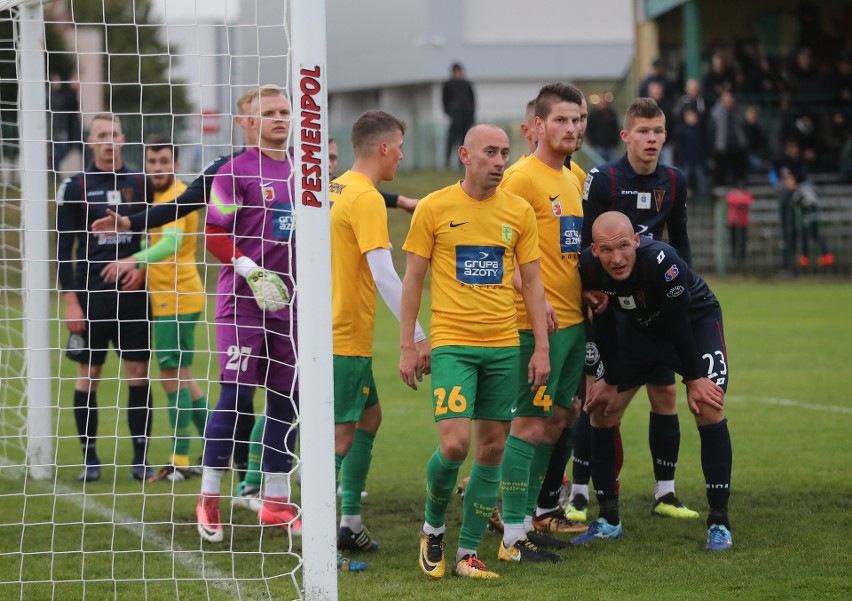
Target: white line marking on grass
(792, 403)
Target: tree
(134, 55)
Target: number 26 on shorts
(455, 403)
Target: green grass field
(789, 351)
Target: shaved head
(611, 222)
(475, 133)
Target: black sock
(604, 472)
(242, 435)
(581, 470)
(86, 418)
(716, 460)
(139, 420)
(552, 483)
(664, 440)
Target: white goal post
(60, 538)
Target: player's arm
(389, 285)
(70, 225)
(165, 247)
(393, 201)
(676, 223)
(533, 292)
(411, 364)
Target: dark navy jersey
(662, 295)
(81, 199)
(193, 198)
(652, 202)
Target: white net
(87, 523)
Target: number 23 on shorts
(454, 403)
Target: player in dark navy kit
(669, 317)
(653, 196)
(98, 312)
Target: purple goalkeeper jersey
(252, 198)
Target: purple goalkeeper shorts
(258, 355)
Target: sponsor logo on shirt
(479, 265)
(569, 228)
(282, 220)
(114, 197)
(675, 292)
(643, 200)
(592, 353)
(671, 273)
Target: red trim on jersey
(674, 185)
(220, 244)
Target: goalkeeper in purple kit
(250, 230)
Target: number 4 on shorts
(542, 400)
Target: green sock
(183, 418)
(538, 468)
(480, 498)
(254, 475)
(517, 459)
(199, 414)
(353, 471)
(441, 476)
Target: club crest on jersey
(659, 195)
(643, 200)
(268, 193)
(671, 273)
(127, 194)
(114, 197)
(556, 207)
(627, 302)
(507, 233)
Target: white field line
(792, 403)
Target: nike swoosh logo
(642, 229)
(552, 198)
(426, 565)
(514, 409)
(458, 224)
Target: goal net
(80, 515)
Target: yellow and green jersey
(472, 246)
(555, 198)
(359, 224)
(173, 283)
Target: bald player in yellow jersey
(361, 264)
(177, 301)
(471, 235)
(553, 192)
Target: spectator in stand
(657, 92)
(728, 140)
(739, 203)
(718, 79)
(603, 130)
(658, 75)
(755, 140)
(804, 76)
(841, 83)
(691, 153)
(803, 199)
(807, 136)
(692, 99)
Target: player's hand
(539, 369)
(704, 390)
(113, 222)
(552, 319)
(75, 319)
(601, 395)
(268, 288)
(410, 366)
(424, 355)
(407, 204)
(596, 300)
(117, 269)
(133, 280)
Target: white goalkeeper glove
(268, 288)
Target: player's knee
(371, 419)
(663, 398)
(136, 370)
(455, 449)
(709, 416)
(530, 429)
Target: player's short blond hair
(370, 127)
(107, 117)
(264, 91)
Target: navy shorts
(117, 318)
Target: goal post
(116, 536)
(36, 244)
(313, 268)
